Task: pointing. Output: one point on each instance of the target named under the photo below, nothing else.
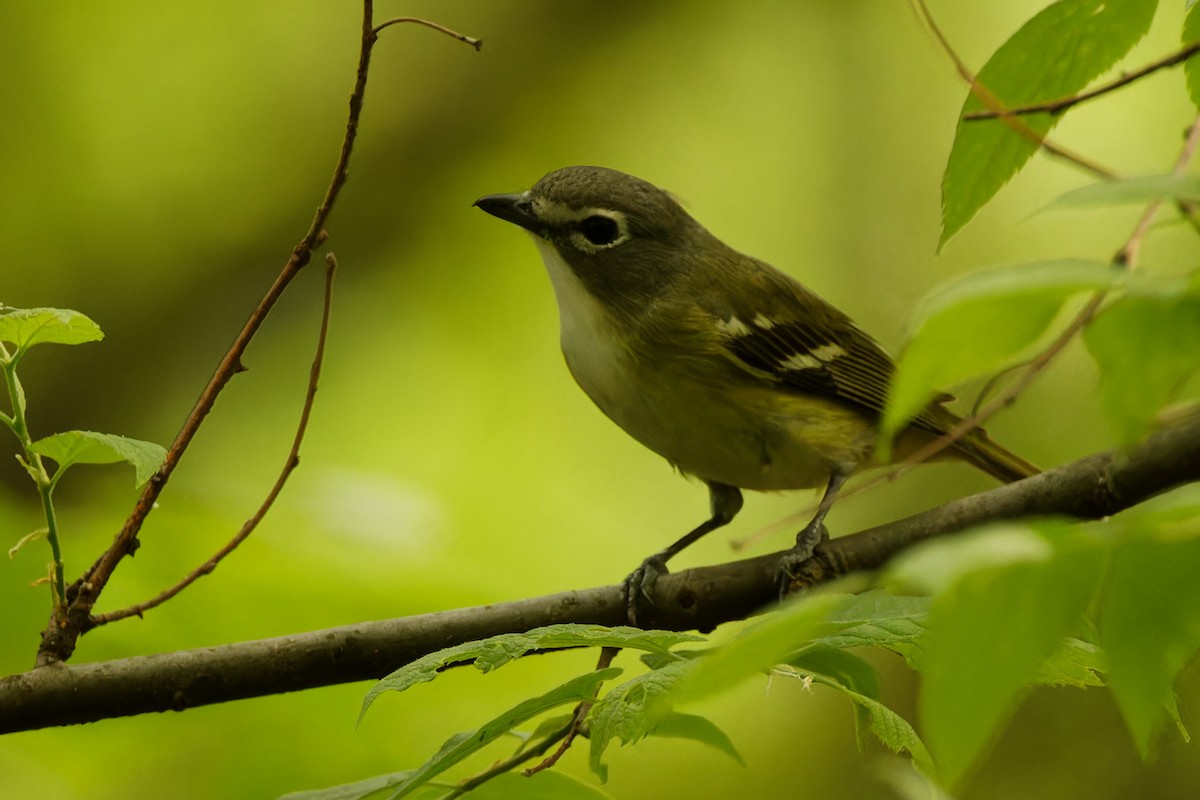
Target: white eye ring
(599, 229)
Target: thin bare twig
(1125, 257)
(67, 624)
(471, 40)
(994, 103)
(1063, 103)
(293, 460)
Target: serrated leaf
(545, 785)
(877, 619)
(981, 323)
(496, 651)
(759, 647)
(1055, 54)
(991, 628)
(1191, 67)
(351, 791)
(89, 447)
(849, 670)
(1149, 626)
(1075, 663)
(1146, 349)
(889, 728)
(630, 711)
(1123, 191)
(462, 745)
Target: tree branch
(62, 694)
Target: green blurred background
(158, 163)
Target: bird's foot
(792, 563)
(637, 588)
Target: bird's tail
(1003, 465)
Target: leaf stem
(46, 490)
(37, 471)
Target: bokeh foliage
(161, 160)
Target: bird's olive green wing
(799, 340)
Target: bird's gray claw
(792, 561)
(637, 589)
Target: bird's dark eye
(599, 230)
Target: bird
(730, 369)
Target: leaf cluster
(24, 329)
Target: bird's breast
(690, 409)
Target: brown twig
(564, 736)
(607, 654)
(471, 40)
(1063, 103)
(293, 460)
(1125, 257)
(66, 625)
(510, 763)
(994, 103)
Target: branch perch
(64, 694)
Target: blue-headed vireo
(728, 368)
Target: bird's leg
(724, 504)
(812, 535)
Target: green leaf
(1191, 68)
(1168, 517)
(1123, 191)
(994, 621)
(938, 566)
(909, 783)
(846, 668)
(462, 745)
(630, 711)
(890, 728)
(1146, 349)
(693, 727)
(1055, 54)
(352, 791)
(25, 327)
(759, 647)
(1075, 663)
(89, 447)
(496, 651)
(545, 785)
(981, 323)
(877, 619)
(849, 670)
(1149, 625)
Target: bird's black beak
(514, 208)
